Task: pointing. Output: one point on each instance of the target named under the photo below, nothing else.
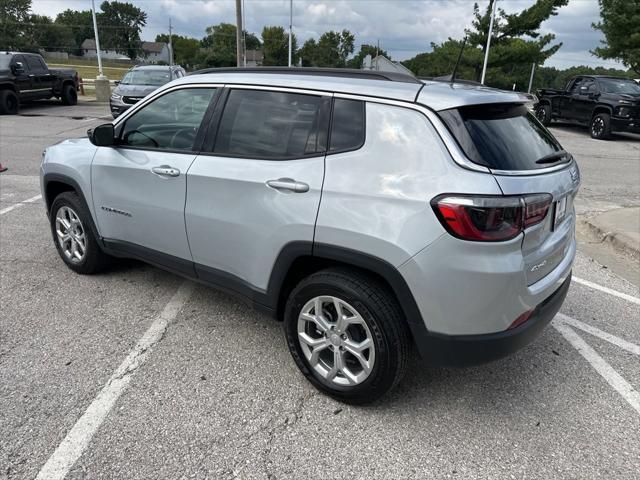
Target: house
(88, 48)
(381, 62)
(154, 52)
(254, 58)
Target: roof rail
(320, 72)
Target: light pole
(486, 52)
(103, 90)
(290, 30)
(95, 34)
(238, 33)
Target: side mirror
(102, 135)
(18, 68)
(117, 82)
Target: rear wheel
(543, 113)
(69, 95)
(347, 335)
(9, 102)
(601, 126)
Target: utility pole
(103, 90)
(486, 52)
(377, 53)
(244, 37)
(170, 44)
(290, 30)
(95, 34)
(533, 69)
(239, 33)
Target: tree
(621, 27)
(13, 15)
(515, 45)
(275, 46)
(120, 24)
(219, 46)
(331, 49)
(42, 32)
(80, 24)
(365, 49)
(185, 49)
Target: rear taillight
(490, 218)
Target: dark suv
(605, 104)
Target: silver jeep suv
(371, 212)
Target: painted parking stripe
(600, 365)
(610, 291)
(596, 332)
(78, 438)
(16, 205)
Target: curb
(619, 242)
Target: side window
(34, 63)
(347, 125)
(20, 59)
(170, 122)
(590, 86)
(271, 125)
(575, 88)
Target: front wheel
(347, 334)
(601, 126)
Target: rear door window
(503, 137)
(270, 125)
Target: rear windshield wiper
(553, 157)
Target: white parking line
(613, 378)
(596, 332)
(78, 438)
(16, 205)
(610, 291)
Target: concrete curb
(618, 241)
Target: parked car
(606, 104)
(25, 77)
(369, 211)
(139, 82)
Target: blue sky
(404, 27)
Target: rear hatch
(525, 160)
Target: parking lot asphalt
(215, 394)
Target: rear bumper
(465, 350)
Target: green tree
(42, 33)
(442, 59)
(185, 49)
(275, 46)
(13, 15)
(621, 27)
(80, 23)
(365, 49)
(120, 24)
(219, 46)
(331, 50)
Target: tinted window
(147, 77)
(501, 136)
(619, 85)
(347, 125)
(34, 63)
(170, 122)
(589, 85)
(264, 124)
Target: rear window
(503, 137)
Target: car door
(39, 84)
(259, 188)
(586, 100)
(570, 109)
(23, 80)
(139, 185)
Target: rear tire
(360, 358)
(9, 102)
(69, 95)
(72, 230)
(543, 113)
(600, 127)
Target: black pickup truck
(606, 104)
(25, 77)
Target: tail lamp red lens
(490, 218)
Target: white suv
(371, 212)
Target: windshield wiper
(553, 157)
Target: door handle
(166, 171)
(288, 184)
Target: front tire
(9, 102)
(543, 113)
(69, 95)
(600, 126)
(347, 334)
(71, 227)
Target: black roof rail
(320, 72)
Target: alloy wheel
(336, 341)
(597, 126)
(71, 234)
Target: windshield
(619, 85)
(503, 136)
(146, 77)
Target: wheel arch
(601, 109)
(8, 86)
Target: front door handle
(166, 171)
(288, 184)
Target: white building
(150, 52)
(89, 50)
(383, 63)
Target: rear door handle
(288, 184)
(166, 171)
